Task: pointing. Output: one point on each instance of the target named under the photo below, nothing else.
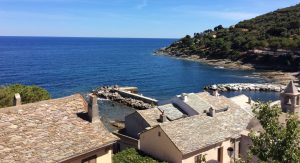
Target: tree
(277, 31)
(294, 24)
(269, 32)
(131, 155)
(278, 142)
(219, 27)
(28, 94)
(187, 40)
(207, 31)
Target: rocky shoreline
(266, 87)
(110, 93)
(277, 77)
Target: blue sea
(65, 66)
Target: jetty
(266, 87)
(126, 95)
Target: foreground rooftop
(49, 131)
(199, 131)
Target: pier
(126, 95)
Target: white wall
(211, 154)
(183, 106)
(159, 147)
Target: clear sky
(126, 18)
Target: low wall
(127, 141)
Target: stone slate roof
(291, 89)
(49, 131)
(151, 116)
(171, 111)
(199, 131)
(218, 103)
(197, 103)
(242, 100)
(201, 102)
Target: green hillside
(269, 41)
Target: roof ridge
(14, 108)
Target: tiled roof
(199, 131)
(49, 131)
(171, 111)
(151, 116)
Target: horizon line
(90, 37)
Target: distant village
(183, 129)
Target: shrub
(28, 94)
(279, 142)
(131, 155)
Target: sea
(68, 65)
(65, 66)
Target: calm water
(69, 65)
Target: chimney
(17, 100)
(249, 100)
(212, 112)
(184, 97)
(93, 110)
(162, 117)
(214, 89)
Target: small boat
(219, 67)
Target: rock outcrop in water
(111, 93)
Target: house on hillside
(57, 130)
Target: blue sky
(126, 18)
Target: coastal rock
(248, 87)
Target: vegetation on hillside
(28, 94)
(250, 41)
(278, 142)
(131, 155)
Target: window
(91, 159)
(240, 146)
(220, 154)
(198, 158)
(158, 133)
